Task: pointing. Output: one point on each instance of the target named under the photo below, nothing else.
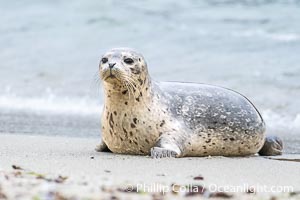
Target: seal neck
(116, 94)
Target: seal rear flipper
(273, 146)
(102, 147)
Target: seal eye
(104, 60)
(128, 61)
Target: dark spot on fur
(111, 126)
(141, 81)
(125, 115)
(208, 141)
(146, 88)
(160, 133)
(223, 147)
(140, 59)
(125, 91)
(231, 139)
(121, 139)
(209, 135)
(189, 143)
(125, 131)
(135, 142)
(135, 70)
(131, 134)
(225, 139)
(132, 125)
(213, 143)
(135, 120)
(111, 121)
(137, 99)
(146, 140)
(149, 110)
(162, 123)
(115, 113)
(126, 103)
(242, 142)
(111, 133)
(204, 147)
(205, 152)
(130, 141)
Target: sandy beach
(38, 167)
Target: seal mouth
(110, 76)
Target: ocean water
(50, 50)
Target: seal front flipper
(168, 145)
(273, 146)
(102, 147)
(159, 152)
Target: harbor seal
(174, 119)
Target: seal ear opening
(273, 146)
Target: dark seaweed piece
(198, 178)
(15, 167)
(221, 195)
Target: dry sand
(86, 174)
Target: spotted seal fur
(173, 119)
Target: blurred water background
(49, 54)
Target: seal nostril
(111, 65)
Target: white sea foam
(281, 124)
(51, 105)
(279, 36)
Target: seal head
(122, 66)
